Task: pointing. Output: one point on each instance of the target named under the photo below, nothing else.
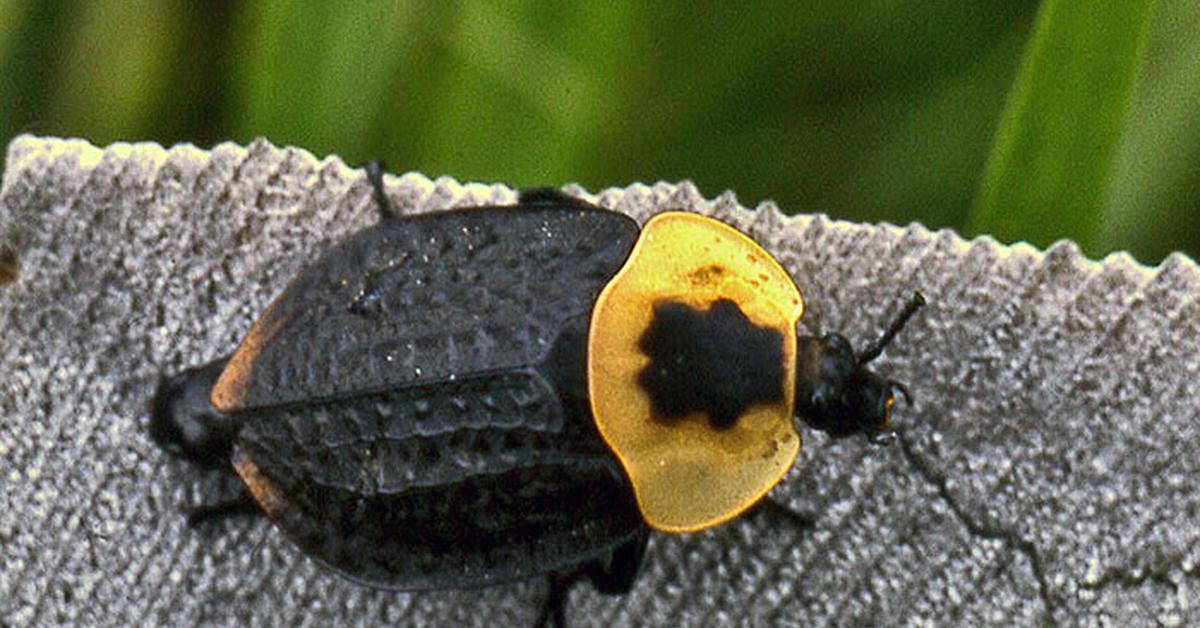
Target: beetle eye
(895, 387)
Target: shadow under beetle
(477, 396)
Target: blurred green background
(1028, 120)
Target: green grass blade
(1048, 172)
(315, 74)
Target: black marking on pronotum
(714, 361)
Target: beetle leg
(243, 504)
(616, 574)
(554, 613)
(612, 575)
(768, 507)
(382, 204)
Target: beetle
(484, 395)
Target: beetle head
(184, 422)
(838, 394)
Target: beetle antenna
(243, 504)
(375, 176)
(875, 349)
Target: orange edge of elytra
(229, 393)
(592, 340)
(261, 488)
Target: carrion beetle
(477, 396)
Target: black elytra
(412, 411)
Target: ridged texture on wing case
(415, 406)
(424, 298)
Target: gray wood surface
(1047, 473)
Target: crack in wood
(1023, 546)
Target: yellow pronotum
(686, 475)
